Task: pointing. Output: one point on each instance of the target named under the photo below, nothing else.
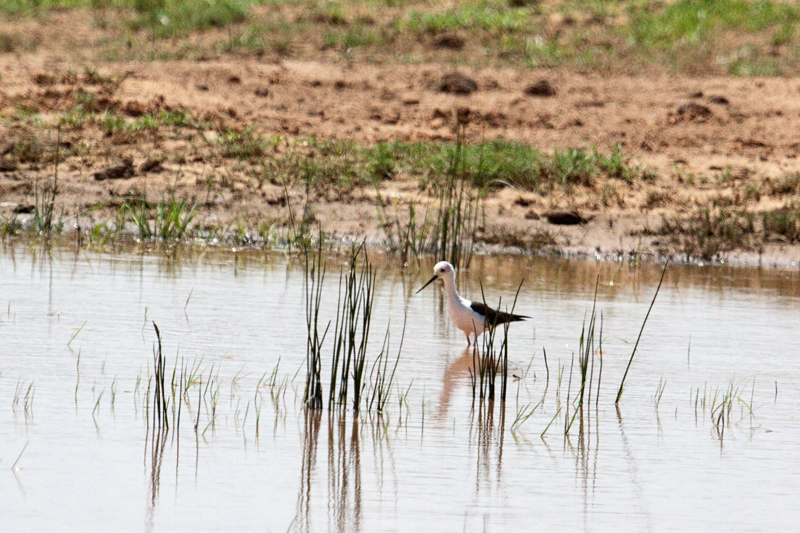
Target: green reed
(381, 378)
(169, 223)
(586, 356)
(404, 239)
(488, 361)
(447, 228)
(639, 338)
(451, 236)
(352, 327)
(314, 278)
(160, 402)
(44, 208)
(351, 377)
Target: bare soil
(709, 141)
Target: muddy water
(77, 345)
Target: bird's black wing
(493, 316)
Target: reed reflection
(312, 418)
(344, 473)
(486, 435)
(343, 458)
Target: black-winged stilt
(473, 318)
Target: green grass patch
(493, 17)
(245, 145)
(695, 21)
(500, 163)
(345, 164)
(164, 18)
(355, 36)
(167, 18)
(741, 37)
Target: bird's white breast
(463, 317)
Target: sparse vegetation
(782, 225)
(734, 36)
(711, 233)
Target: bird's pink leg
(468, 341)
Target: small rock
(531, 215)
(692, 111)
(262, 92)
(120, 171)
(696, 94)
(453, 42)
(201, 87)
(541, 88)
(564, 218)
(719, 100)
(457, 83)
(234, 79)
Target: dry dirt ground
(709, 141)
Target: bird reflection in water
(486, 423)
(456, 370)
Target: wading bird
(473, 318)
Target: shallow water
(77, 326)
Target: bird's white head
(442, 270)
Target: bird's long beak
(429, 282)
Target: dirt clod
(449, 41)
(7, 166)
(693, 111)
(151, 165)
(123, 170)
(43, 79)
(541, 88)
(440, 113)
(564, 218)
(457, 83)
